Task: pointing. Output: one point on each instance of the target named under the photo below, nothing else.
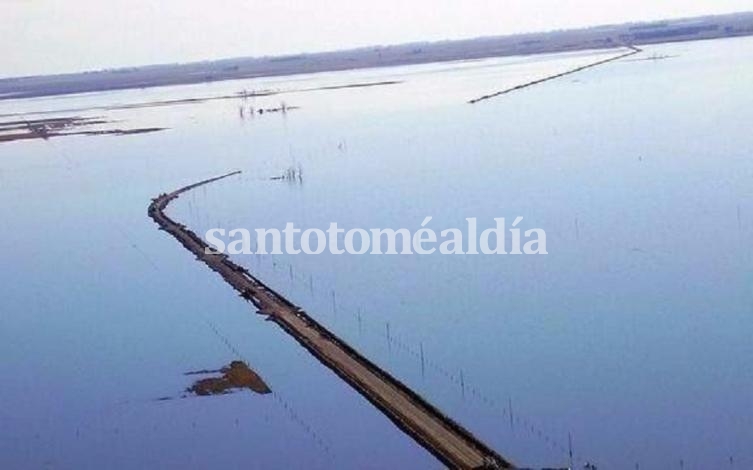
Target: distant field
(600, 37)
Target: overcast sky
(49, 36)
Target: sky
(55, 36)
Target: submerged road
(443, 437)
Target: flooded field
(625, 344)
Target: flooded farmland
(622, 346)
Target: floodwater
(629, 342)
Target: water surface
(629, 338)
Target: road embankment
(444, 438)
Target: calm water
(631, 338)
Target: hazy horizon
(50, 37)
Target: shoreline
(594, 38)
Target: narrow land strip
(633, 51)
(443, 437)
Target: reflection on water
(627, 339)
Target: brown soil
(234, 377)
(139, 130)
(11, 131)
(446, 439)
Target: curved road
(443, 437)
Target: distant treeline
(598, 37)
